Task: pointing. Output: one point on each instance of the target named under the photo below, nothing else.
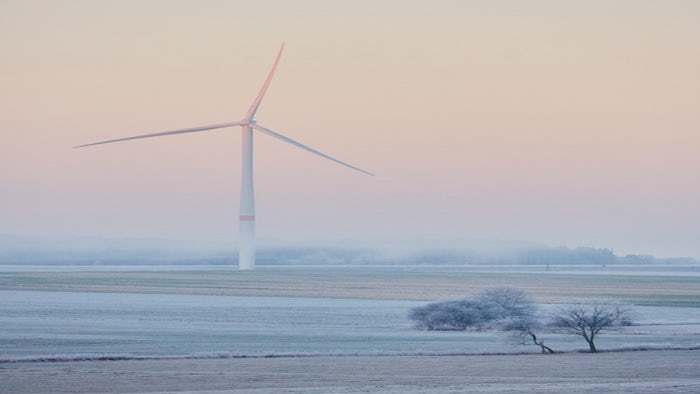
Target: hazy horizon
(560, 123)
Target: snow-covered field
(65, 324)
(179, 321)
(653, 372)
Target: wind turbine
(246, 249)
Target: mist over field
(93, 250)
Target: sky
(561, 122)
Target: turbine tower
(246, 247)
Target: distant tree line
(18, 250)
(532, 256)
(564, 255)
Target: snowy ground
(349, 323)
(67, 324)
(630, 372)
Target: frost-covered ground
(652, 372)
(348, 323)
(66, 324)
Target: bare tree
(589, 321)
(502, 304)
(490, 309)
(525, 330)
(447, 316)
(499, 309)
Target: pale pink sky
(562, 122)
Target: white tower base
(246, 245)
(246, 248)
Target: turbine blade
(288, 140)
(258, 99)
(164, 133)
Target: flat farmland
(391, 283)
(628, 372)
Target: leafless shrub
(490, 309)
(590, 321)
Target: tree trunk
(545, 349)
(591, 346)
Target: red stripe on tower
(247, 218)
